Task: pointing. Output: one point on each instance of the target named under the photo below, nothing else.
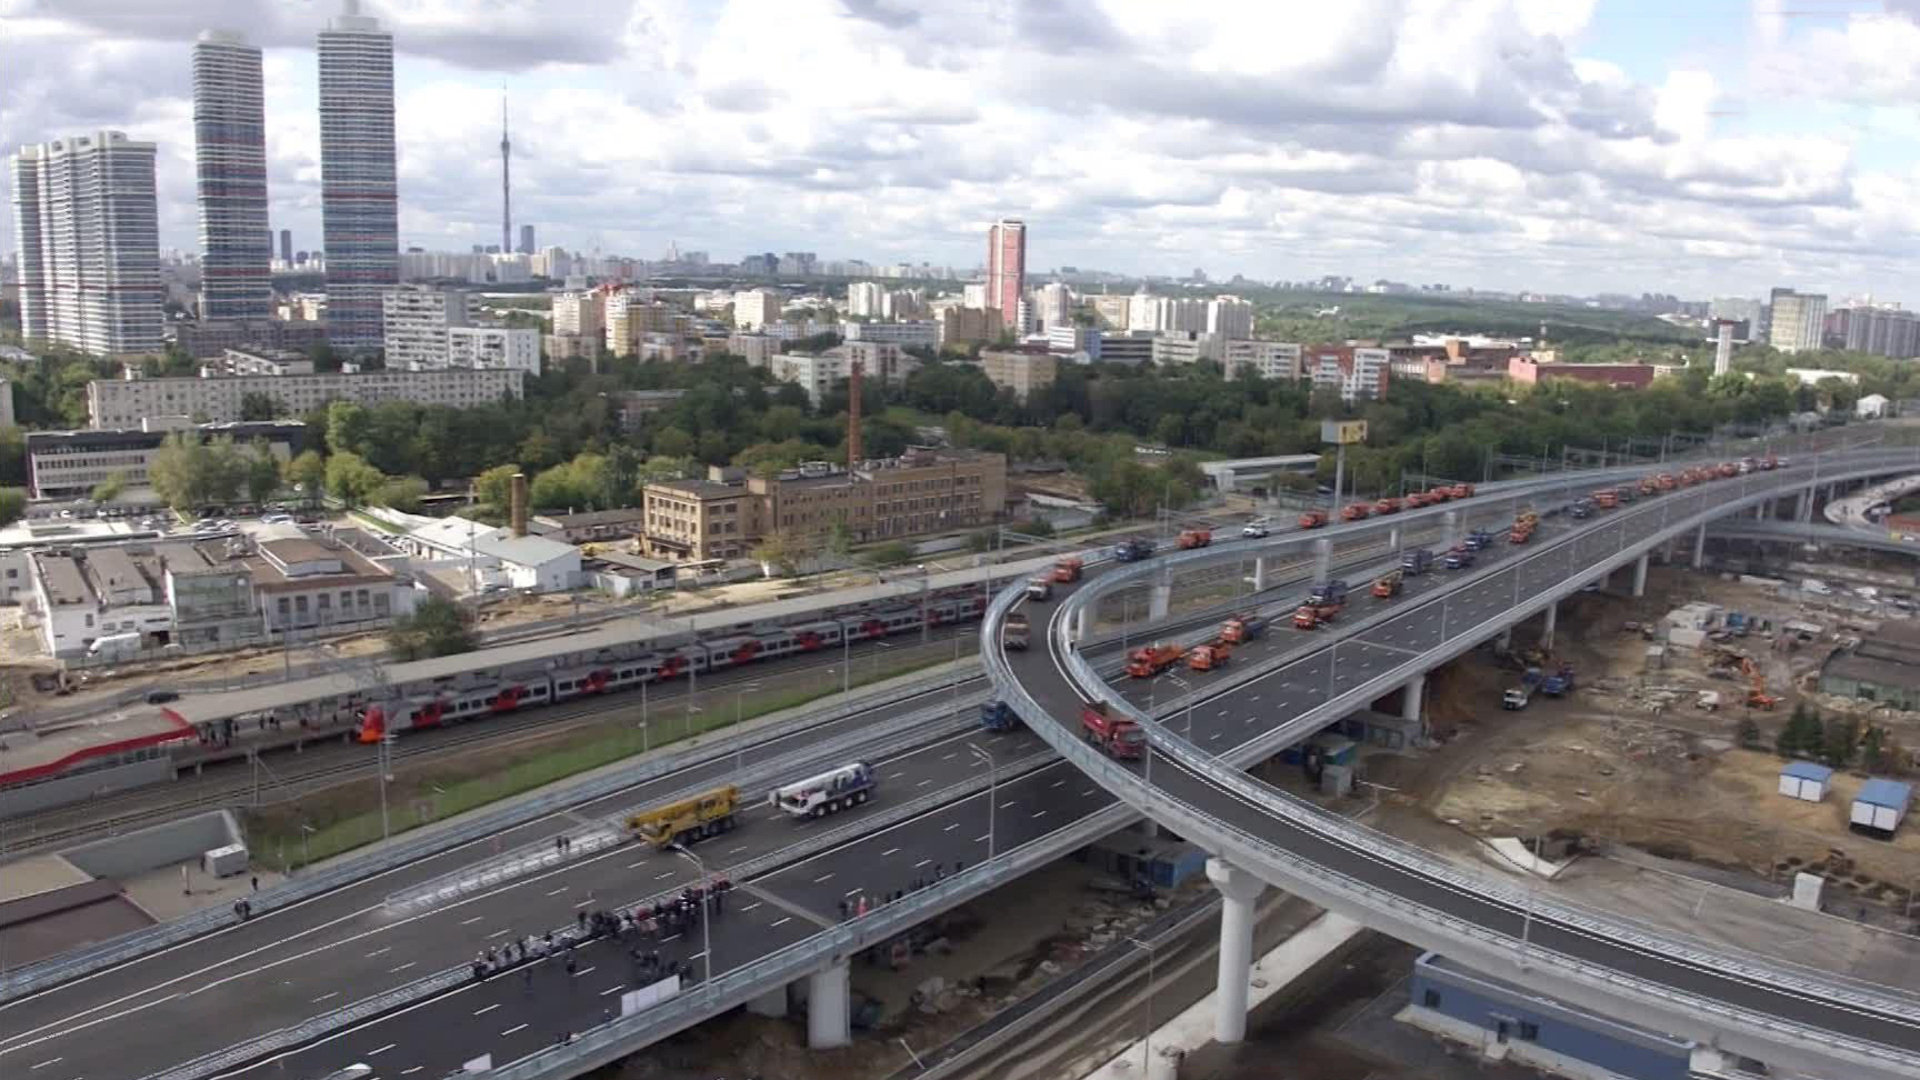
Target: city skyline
(1556, 150)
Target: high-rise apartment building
(865, 298)
(755, 308)
(1881, 331)
(230, 156)
(87, 221)
(1796, 321)
(1006, 267)
(286, 246)
(526, 239)
(359, 191)
(1230, 318)
(416, 320)
(1054, 305)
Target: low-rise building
(963, 326)
(590, 526)
(306, 582)
(1884, 667)
(925, 332)
(636, 405)
(489, 556)
(1358, 373)
(1527, 371)
(124, 403)
(67, 464)
(1276, 360)
(1024, 373)
(920, 492)
(493, 348)
(1133, 347)
(758, 350)
(1176, 348)
(819, 373)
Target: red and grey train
(503, 695)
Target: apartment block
(212, 338)
(756, 308)
(1173, 349)
(123, 403)
(1024, 373)
(1797, 320)
(819, 373)
(1358, 373)
(495, 348)
(924, 332)
(758, 350)
(1278, 360)
(416, 320)
(963, 326)
(1230, 318)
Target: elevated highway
(1187, 781)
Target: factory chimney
(854, 455)
(517, 505)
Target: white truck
(115, 647)
(827, 793)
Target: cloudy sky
(1692, 146)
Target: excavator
(1757, 696)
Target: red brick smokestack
(854, 449)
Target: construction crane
(1757, 696)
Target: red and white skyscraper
(1006, 267)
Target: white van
(115, 647)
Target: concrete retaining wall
(68, 790)
(159, 845)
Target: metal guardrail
(119, 950)
(1358, 838)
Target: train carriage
(814, 636)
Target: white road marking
(324, 997)
(50, 1061)
(924, 783)
(1009, 802)
(734, 850)
(557, 892)
(611, 990)
(890, 851)
(514, 1029)
(664, 940)
(751, 906)
(636, 865)
(1038, 814)
(485, 1009)
(823, 878)
(982, 838)
(402, 967)
(382, 1050)
(410, 1072)
(499, 933)
(585, 971)
(1055, 784)
(663, 876)
(782, 922)
(950, 757)
(477, 918)
(951, 827)
(896, 775)
(380, 952)
(584, 903)
(923, 862)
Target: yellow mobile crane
(694, 818)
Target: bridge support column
(1553, 619)
(1505, 641)
(1322, 559)
(1760, 512)
(1803, 505)
(1238, 890)
(1700, 548)
(1260, 573)
(1449, 529)
(1393, 539)
(1640, 576)
(1410, 696)
(1159, 599)
(827, 1008)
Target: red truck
(1388, 505)
(1151, 660)
(1067, 570)
(1355, 512)
(1313, 519)
(1120, 737)
(1195, 538)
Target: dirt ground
(1628, 758)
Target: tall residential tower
(88, 224)
(230, 149)
(359, 195)
(1006, 268)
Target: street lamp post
(993, 793)
(1146, 1035)
(1187, 689)
(706, 917)
(739, 738)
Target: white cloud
(1425, 140)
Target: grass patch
(351, 818)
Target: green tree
(259, 405)
(260, 473)
(673, 442)
(891, 553)
(435, 627)
(1749, 734)
(494, 487)
(13, 456)
(1839, 740)
(188, 473)
(401, 493)
(308, 472)
(779, 552)
(109, 489)
(1802, 735)
(13, 503)
(351, 480)
(347, 427)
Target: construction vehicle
(1311, 615)
(1519, 696)
(1194, 538)
(997, 715)
(1209, 657)
(1119, 736)
(1067, 569)
(1606, 498)
(1416, 561)
(828, 793)
(1419, 499)
(1520, 533)
(1014, 632)
(1313, 519)
(1625, 493)
(1526, 519)
(1243, 628)
(1387, 586)
(1649, 487)
(1355, 512)
(1461, 491)
(1729, 469)
(1040, 588)
(1439, 494)
(1150, 660)
(1458, 558)
(1477, 540)
(1329, 592)
(1558, 683)
(1757, 696)
(1388, 505)
(1665, 481)
(695, 817)
(1133, 550)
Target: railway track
(286, 776)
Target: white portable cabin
(1880, 807)
(1805, 780)
(823, 794)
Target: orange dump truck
(1151, 660)
(1067, 570)
(1195, 538)
(1210, 656)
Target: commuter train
(505, 695)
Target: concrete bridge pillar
(1640, 576)
(1322, 559)
(1260, 573)
(1238, 890)
(1803, 505)
(1505, 641)
(1760, 512)
(1410, 696)
(1159, 599)
(1449, 529)
(1700, 548)
(827, 1008)
(1553, 619)
(1393, 539)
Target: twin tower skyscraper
(359, 193)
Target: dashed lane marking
(513, 1030)
(890, 851)
(326, 997)
(382, 1050)
(823, 878)
(485, 1009)
(781, 922)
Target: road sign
(1343, 432)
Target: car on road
(1255, 530)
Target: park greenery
(435, 627)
